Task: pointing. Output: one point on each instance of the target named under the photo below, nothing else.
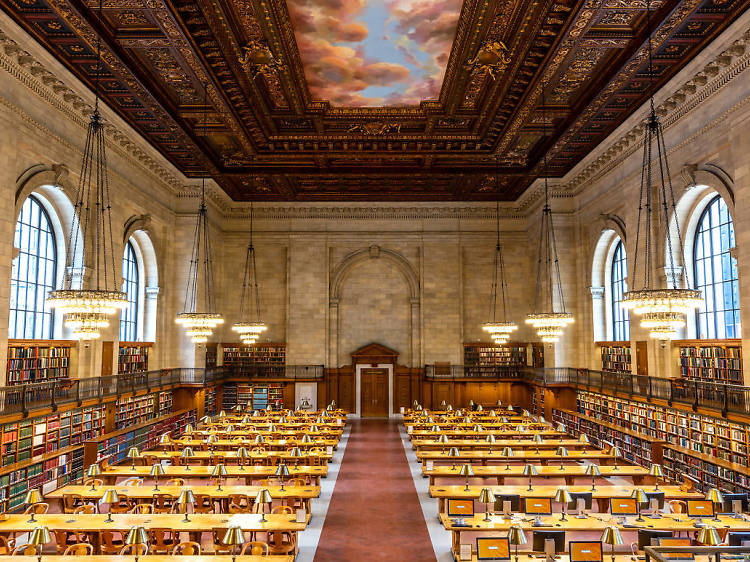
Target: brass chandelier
(200, 322)
(250, 325)
(548, 320)
(499, 329)
(86, 309)
(662, 310)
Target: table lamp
(133, 454)
(715, 496)
(563, 496)
(521, 428)
(443, 404)
(419, 408)
(306, 439)
(486, 497)
(541, 420)
(93, 472)
(245, 419)
(222, 414)
(560, 428)
(561, 452)
(188, 429)
(443, 439)
(436, 429)
(477, 428)
(165, 441)
(39, 537)
(709, 536)
(263, 498)
(272, 428)
(493, 414)
(204, 420)
(229, 429)
(612, 537)
(593, 471)
(584, 439)
(503, 419)
(526, 414)
(415, 404)
(491, 440)
(537, 440)
(479, 408)
(510, 407)
(657, 472)
(259, 440)
(466, 471)
(187, 454)
(516, 537)
(219, 471)
(453, 453)
(640, 498)
(256, 413)
(242, 455)
(615, 453)
(282, 471)
(211, 439)
(530, 471)
(33, 497)
(185, 499)
(137, 536)
(110, 497)
(507, 452)
(234, 537)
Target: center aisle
(374, 512)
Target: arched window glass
(716, 273)
(619, 286)
(130, 285)
(33, 273)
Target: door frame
(358, 377)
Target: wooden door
(641, 358)
(374, 395)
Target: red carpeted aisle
(374, 512)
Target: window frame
(618, 285)
(129, 325)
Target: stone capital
(597, 292)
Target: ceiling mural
(388, 100)
(374, 52)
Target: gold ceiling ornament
(258, 58)
(492, 57)
(250, 325)
(198, 317)
(549, 318)
(662, 309)
(86, 308)
(375, 128)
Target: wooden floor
(374, 512)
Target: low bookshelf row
(259, 396)
(711, 360)
(616, 357)
(137, 410)
(489, 354)
(31, 361)
(270, 356)
(636, 448)
(133, 357)
(537, 401)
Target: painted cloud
(374, 52)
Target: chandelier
(86, 309)
(662, 310)
(548, 321)
(250, 325)
(499, 329)
(199, 323)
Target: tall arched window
(33, 274)
(618, 286)
(131, 286)
(716, 273)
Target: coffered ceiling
(374, 99)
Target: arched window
(33, 274)
(716, 273)
(131, 286)
(618, 284)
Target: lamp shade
(436, 429)
(466, 470)
(93, 471)
(714, 495)
(110, 496)
(615, 452)
(282, 470)
(709, 536)
(593, 470)
(242, 453)
(33, 496)
(486, 496)
(219, 470)
(493, 414)
(40, 536)
(506, 452)
(561, 452)
(516, 536)
(186, 497)
(563, 496)
(453, 452)
(133, 453)
(306, 438)
(521, 428)
(530, 470)
(157, 470)
(222, 414)
(510, 406)
(187, 453)
(639, 495)
(233, 537)
(295, 452)
(526, 414)
(611, 536)
(230, 428)
(259, 439)
(477, 427)
(165, 440)
(211, 439)
(490, 438)
(136, 535)
(188, 429)
(263, 496)
(560, 427)
(656, 471)
(479, 408)
(538, 438)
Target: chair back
(187, 548)
(71, 501)
(176, 482)
(38, 508)
(87, 508)
(133, 549)
(283, 509)
(80, 549)
(255, 548)
(24, 550)
(142, 509)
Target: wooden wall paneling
(402, 392)
(288, 395)
(346, 391)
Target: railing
(718, 396)
(256, 370)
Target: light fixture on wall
(250, 325)
(499, 328)
(549, 318)
(199, 322)
(662, 310)
(87, 305)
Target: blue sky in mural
(374, 53)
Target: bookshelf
(133, 357)
(38, 361)
(165, 403)
(711, 360)
(537, 401)
(258, 395)
(271, 356)
(616, 356)
(211, 355)
(210, 404)
(132, 411)
(481, 358)
(229, 396)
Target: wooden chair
(65, 539)
(132, 549)
(282, 542)
(283, 509)
(256, 548)
(71, 502)
(38, 508)
(142, 509)
(150, 460)
(24, 550)
(239, 503)
(132, 481)
(98, 482)
(87, 508)
(111, 542)
(162, 503)
(123, 505)
(187, 548)
(203, 503)
(80, 549)
(6, 545)
(677, 506)
(162, 540)
(176, 482)
(296, 482)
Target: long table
(570, 473)
(543, 457)
(434, 444)
(203, 457)
(161, 558)
(471, 434)
(249, 473)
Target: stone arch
(137, 230)
(601, 269)
(342, 270)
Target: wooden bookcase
(480, 359)
(134, 411)
(210, 404)
(258, 395)
(212, 353)
(711, 360)
(271, 356)
(616, 356)
(133, 357)
(39, 361)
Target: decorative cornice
(458, 211)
